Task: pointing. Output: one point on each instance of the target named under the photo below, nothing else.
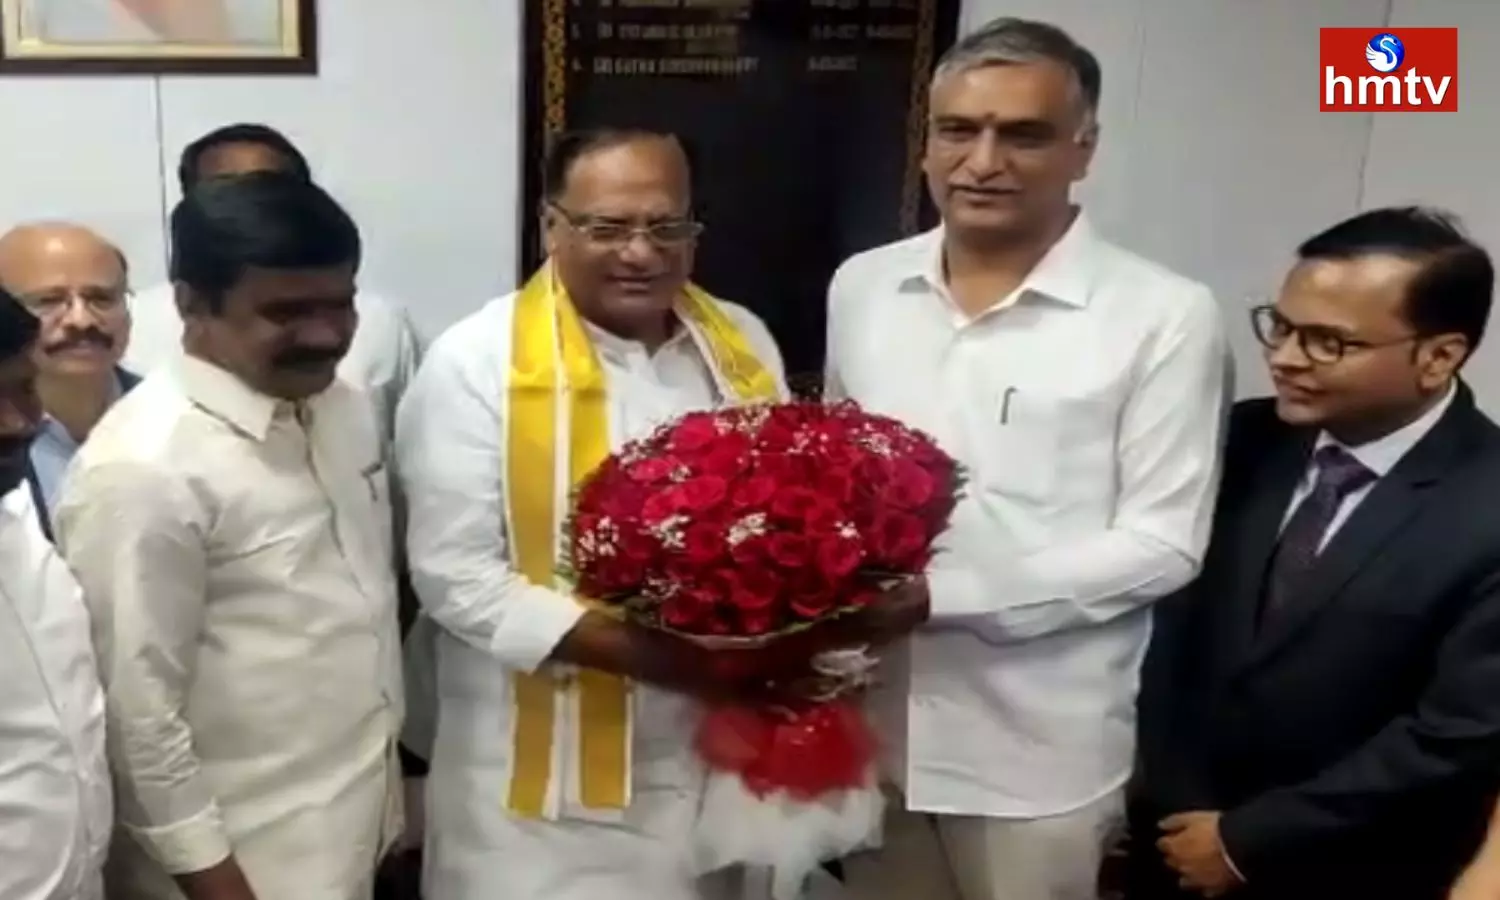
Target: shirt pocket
(1037, 443)
(1014, 442)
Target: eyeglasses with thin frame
(1321, 344)
(100, 301)
(665, 233)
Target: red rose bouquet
(735, 528)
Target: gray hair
(1012, 41)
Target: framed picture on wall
(62, 37)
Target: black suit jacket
(1352, 742)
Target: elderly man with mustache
(75, 283)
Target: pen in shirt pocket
(1005, 398)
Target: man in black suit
(1320, 713)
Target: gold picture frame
(232, 37)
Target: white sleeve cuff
(956, 591)
(535, 624)
(191, 845)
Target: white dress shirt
(491, 621)
(235, 552)
(1087, 407)
(382, 359)
(1379, 456)
(55, 807)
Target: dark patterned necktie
(1338, 476)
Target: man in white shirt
(381, 360)
(563, 766)
(229, 523)
(1083, 387)
(76, 284)
(54, 780)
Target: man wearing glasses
(529, 797)
(1319, 713)
(75, 283)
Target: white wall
(1215, 158)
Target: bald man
(75, 283)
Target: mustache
(308, 357)
(82, 337)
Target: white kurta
(236, 557)
(55, 807)
(492, 622)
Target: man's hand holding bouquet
(762, 548)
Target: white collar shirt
(235, 552)
(55, 804)
(1088, 408)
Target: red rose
(796, 504)
(700, 494)
(749, 552)
(839, 451)
(726, 458)
(838, 484)
(620, 500)
(638, 546)
(838, 556)
(778, 434)
(910, 486)
(694, 432)
(790, 551)
(754, 492)
(897, 541)
(703, 544)
(752, 589)
(652, 470)
(823, 518)
(659, 507)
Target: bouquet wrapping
(737, 528)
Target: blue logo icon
(1385, 52)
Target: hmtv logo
(1398, 70)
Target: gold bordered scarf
(555, 373)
